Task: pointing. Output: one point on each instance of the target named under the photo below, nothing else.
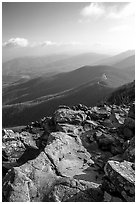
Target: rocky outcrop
(80, 154)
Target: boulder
(105, 141)
(30, 182)
(120, 179)
(108, 123)
(80, 107)
(16, 186)
(101, 112)
(67, 154)
(130, 123)
(89, 125)
(7, 134)
(129, 153)
(13, 148)
(72, 190)
(69, 128)
(120, 118)
(15, 145)
(48, 124)
(128, 133)
(131, 113)
(69, 116)
(29, 139)
(107, 197)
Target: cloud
(120, 28)
(73, 43)
(111, 10)
(16, 42)
(49, 43)
(22, 42)
(44, 43)
(124, 12)
(94, 9)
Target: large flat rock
(68, 154)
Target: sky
(32, 28)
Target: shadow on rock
(91, 174)
(29, 154)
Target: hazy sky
(45, 28)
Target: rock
(108, 123)
(63, 106)
(105, 141)
(79, 154)
(98, 134)
(91, 122)
(69, 116)
(89, 125)
(15, 145)
(112, 130)
(126, 144)
(13, 148)
(133, 166)
(16, 183)
(72, 190)
(129, 153)
(30, 182)
(130, 123)
(116, 149)
(118, 157)
(48, 124)
(7, 134)
(119, 118)
(131, 113)
(101, 112)
(80, 107)
(8, 165)
(122, 176)
(29, 139)
(117, 146)
(101, 158)
(67, 154)
(128, 134)
(116, 199)
(69, 128)
(107, 197)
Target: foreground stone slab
(29, 182)
(67, 154)
(121, 179)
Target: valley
(30, 99)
